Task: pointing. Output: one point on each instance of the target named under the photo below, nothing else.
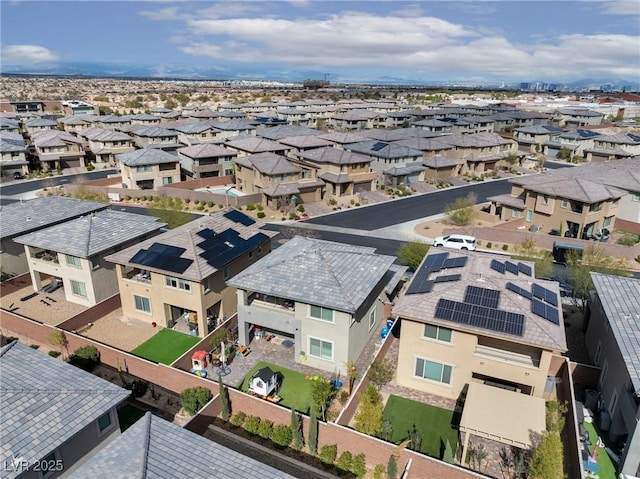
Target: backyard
(435, 424)
(293, 388)
(166, 346)
(606, 467)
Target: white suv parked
(456, 242)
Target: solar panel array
(497, 265)
(378, 146)
(518, 290)
(220, 249)
(238, 217)
(482, 296)
(434, 263)
(511, 267)
(545, 294)
(447, 278)
(458, 262)
(480, 317)
(525, 269)
(545, 311)
(162, 256)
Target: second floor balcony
(138, 275)
(46, 255)
(505, 356)
(271, 302)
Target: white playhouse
(264, 382)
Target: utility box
(561, 249)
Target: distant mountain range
(266, 73)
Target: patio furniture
(242, 351)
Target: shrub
(359, 465)
(293, 216)
(301, 208)
(200, 207)
(344, 461)
(252, 424)
(489, 245)
(379, 472)
(86, 357)
(90, 167)
(328, 453)
(138, 388)
(259, 206)
(34, 346)
(220, 206)
(187, 200)
(54, 354)
(194, 399)
(238, 419)
(251, 207)
(261, 214)
(127, 198)
(196, 202)
(210, 204)
(392, 467)
(265, 428)
(505, 247)
(281, 435)
(628, 239)
(343, 397)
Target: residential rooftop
(146, 156)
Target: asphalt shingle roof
(333, 275)
(25, 216)
(155, 448)
(92, 234)
(44, 402)
(620, 298)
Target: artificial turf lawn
(166, 346)
(434, 423)
(606, 467)
(294, 389)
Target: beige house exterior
(105, 144)
(58, 150)
(177, 279)
(13, 155)
(148, 169)
(445, 344)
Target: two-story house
(255, 144)
(148, 169)
(234, 127)
(577, 117)
(612, 339)
(532, 138)
(13, 154)
(155, 137)
(385, 155)
(52, 421)
(58, 149)
(179, 276)
(192, 133)
(613, 147)
(327, 297)
(353, 120)
(205, 160)
(73, 252)
(104, 145)
(39, 124)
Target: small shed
(264, 382)
(199, 360)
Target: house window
(73, 261)
(250, 254)
(613, 403)
(636, 197)
(321, 349)
(95, 262)
(514, 213)
(178, 283)
(142, 169)
(529, 216)
(167, 180)
(104, 422)
(318, 312)
(259, 249)
(564, 204)
(596, 358)
(438, 333)
(607, 221)
(433, 371)
(225, 272)
(603, 375)
(372, 319)
(545, 200)
(50, 464)
(205, 285)
(142, 304)
(78, 288)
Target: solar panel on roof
(447, 278)
(227, 246)
(162, 257)
(545, 311)
(378, 146)
(420, 287)
(518, 290)
(458, 262)
(544, 294)
(524, 269)
(497, 266)
(238, 217)
(482, 296)
(480, 317)
(511, 267)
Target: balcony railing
(139, 276)
(46, 256)
(507, 356)
(271, 302)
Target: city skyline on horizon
(350, 42)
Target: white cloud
(621, 7)
(26, 54)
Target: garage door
(362, 187)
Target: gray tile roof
(285, 131)
(255, 144)
(25, 216)
(579, 189)
(44, 402)
(186, 238)
(381, 149)
(334, 156)
(333, 275)
(47, 138)
(102, 134)
(147, 156)
(206, 150)
(41, 122)
(343, 138)
(305, 141)
(620, 298)
(269, 164)
(477, 272)
(441, 161)
(427, 144)
(398, 134)
(336, 179)
(154, 132)
(233, 124)
(92, 234)
(155, 448)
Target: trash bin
(591, 400)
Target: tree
(368, 418)
(57, 338)
(448, 453)
(194, 399)
(415, 438)
(546, 462)
(462, 211)
(392, 467)
(312, 434)
(555, 416)
(564, 153)
(224, 398)
(381, 372)
(296, 430)
(411, 253)
(321, 393)
(352, 374)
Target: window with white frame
(514, 213)
(438, 333)
(167, 180)
(73, 260)
(78, 289)
(142, 304)
(177, 283)
(318, 312)
(564, 204)
(372, 319)
(433, 371)
(321, 349)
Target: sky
(511, 41)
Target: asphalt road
(409, 208)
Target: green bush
(210, 204)
(54, 354)
(505, 247)
(200, 207)
(261, 214)
(238, 419)
(265, 428)
(628, 239)
(379, 472)
(259, 206)
(86, 357)
(138, 388)
(251, 207)
(34, 346)
(344, 461)
(301, 208)
(359, 465)
(489, 245)
(328, 453)
(281, 435)
(196, 202)
(194, 399)
(252, 424)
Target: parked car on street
(456, 241)
(18, 176)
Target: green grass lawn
(294, 390)
(434, 423)
(607, 469)
(166, 346)
(128, 415)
